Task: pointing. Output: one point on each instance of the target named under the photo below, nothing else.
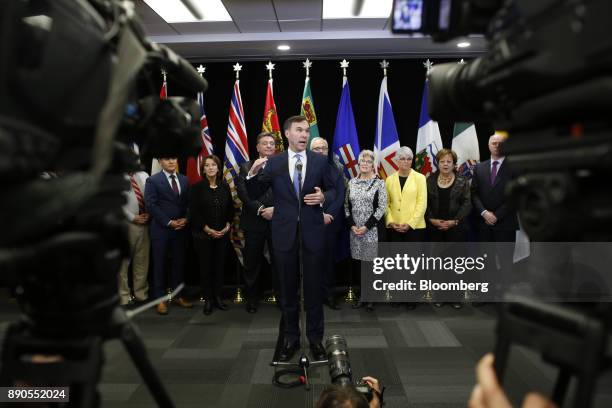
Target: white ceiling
(258, 26)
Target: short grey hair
(404, 151)
(365, 153)
(316, 139)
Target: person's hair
(293, 119)
(336, 396)
(265, 134)
(443, 152)
(404, 151)
(316, 139)
(217, 161)
(365, 153)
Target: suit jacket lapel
(309, 174)
(500, 172)
(487, 173)
(285, 171)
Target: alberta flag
(386, 141)
(346, 144)
(429, 140)
(308, 111)
(465, 144)
(236, 153)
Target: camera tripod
(303, 363)
(75, 361)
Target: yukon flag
(429, 140)
(270, 118)
(194, 163)
(308, 111)
(465, 144)
(236, 153)
(163, 94)
(386, 142)
(346, 144)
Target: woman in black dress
(211, 210)
(448, 203)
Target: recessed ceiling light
(344, 9)
(174, 11)
(283, 47)
(463, 44)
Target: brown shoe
(183, 303)
(162, 308)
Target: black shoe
(456, 306)
(288, 350)
(218, 303)
(410, 306)
(317, 351)
(251, 307)
(331, 303)
(370, 306)
(438, 304)
(207, 308)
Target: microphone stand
(301, 367)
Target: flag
(236, 153)
(270, 118)
(429, 140)
(346, 143)
(386, 141)
(194, 164)
(308, 111)
(163, 94)
(465, 144)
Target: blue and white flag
(386, 141)
(346, 142)
(429, 140)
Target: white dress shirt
(130, 209)
(170, 180)
(292, 160)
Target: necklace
(445, 181)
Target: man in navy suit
(497, 221)
(167, 198)
(301, 182)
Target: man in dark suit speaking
(301, 182)
(167, 198)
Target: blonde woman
(365, 205)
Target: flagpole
(350, 294)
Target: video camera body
(546, 79)
(79, 85)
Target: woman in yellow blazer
(407, 198)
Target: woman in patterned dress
(365, 205)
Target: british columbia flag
(236, 153)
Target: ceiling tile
(298, 9)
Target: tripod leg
(137, 351)
(561, 385)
